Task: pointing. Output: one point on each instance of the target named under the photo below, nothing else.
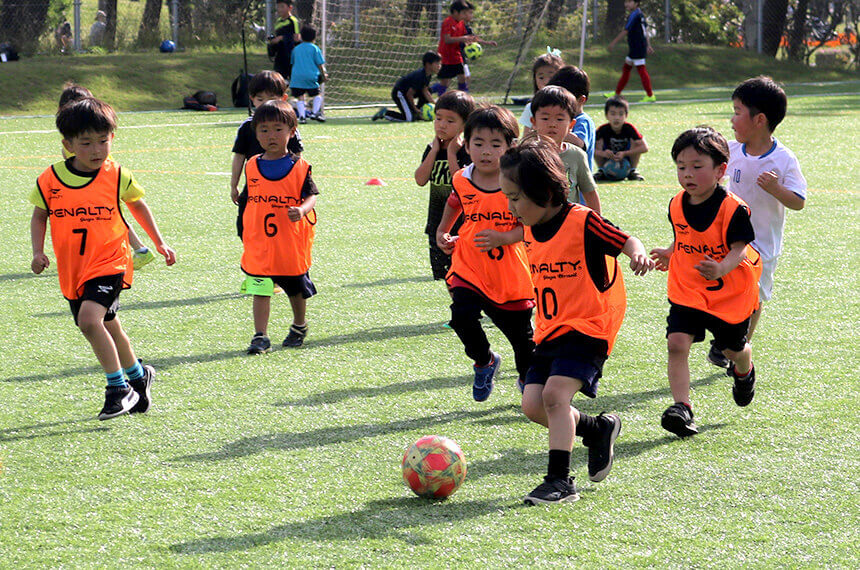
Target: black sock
(559, 464)
(586, 425)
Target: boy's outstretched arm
(592, 200)
(485, 240)
(661, 256)
(38, 228)
(621, 35)
(143, 215)
(640, 263)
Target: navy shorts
(451, 70)
(102, 290)
(296, 285)
(573, 355)
(299, 91)
(695, 322)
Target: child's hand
(169, 254)
(234, 195)
(471, 39)
(490, 43)
(710, 268)
(649, 49)
(485, 240)
(641, 263)
(295, 213)
(435, 145)
(661, 256)
(573, 139)
(455, 144)
(40, 263)
(768, 181)
(446, 242)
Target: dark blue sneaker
(601, 446)
(482, 386)
(553, 491)
(743, 390)
(521, 384)
(678, 419)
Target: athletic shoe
(482, 386)
(609, 94)
(717, 358)
(601, 446)
(648, 99)
(260, 344)
(277, 290)
(599, 176)
(141, 258)
(678, 419)
(553, 491)
(743, 390)
(318, 118)
(521, 384)
(296, 336)
(380, 114)
(143, 387)
(118, 401)
(634, 175)
(303, 121)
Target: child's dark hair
(287, 2)
(553, 95)
(535, 166)
(762, 95)
(703, 140)
(85, 115)
(458, 101)
(72, 92)
(430, 57)
(276, 112)
(460, 5)
(494, 118)
(308, 34)
(573, 79)
(267, 82)
(616, 101)
(545, 60)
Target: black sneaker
(260, 344)
(303, 121)
(717, 358)
(599, 176)
(553, 491)
(296, 336)
(380, 114)
(118, 401)
(318, 118)
(678, 419)
(634, 175)
(601, 446)
(743, 390)
(143, 387)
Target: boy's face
(261, 98)
(521, 206)
(543, 74)
(467, 15)
(273, 136)
(91, 149)
(744, 123)
(616, 116)
(433, 68)
(698, 174)
(486, 147)
(447, 124)
(283, 10)
(630, 5)
(553, 122)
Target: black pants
(515, 325)
(243, 202)
(405, 113)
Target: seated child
(438, 165)
(412, 91)
(278, 224)
(554, 108)
(580, 306)
(489, 271)
(713, 272)
(81, 196)
(307, 74)
(619, 144)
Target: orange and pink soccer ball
(434, 467)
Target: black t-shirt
(616, 142)
(284, 48)
(246, 142)
(417, 80)
(701, 216)
(441, 175)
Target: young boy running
(765, 174)
(279, 225)
(489, 271)
(80, 196)
(580, 306)
(639, 47)
(437, 166)
(713, 272)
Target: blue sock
(463, 87)
(134, 372)
(115, 379)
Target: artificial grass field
(293, 458)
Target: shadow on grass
(380, 333)
(408, 519)
(287, 441)
(618, 402)
(17, 276)
(139, 305)
(335, 396)
(389, 281)
(59, 433)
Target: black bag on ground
(7, 53)
(201, 101)
(239, 90)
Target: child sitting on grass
(619, 146)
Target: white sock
(301, 106)
(317, 104)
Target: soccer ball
(473, 51)
(428, 111)
(434, 467)
(167, 46)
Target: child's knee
(678, 343)
(533, 409)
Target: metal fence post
(76, 42)
(668, 23)
(269, 26)
(175, 23)
(324, 28)
(758, 13)
(583, 32)
(594, 18)
(357, 15)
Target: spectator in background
(97, 30)
(63, 36)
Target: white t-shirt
(766, 212)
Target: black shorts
(695, 322)
(102, 290)
(451, 70)
(298, 91)
(296, 285)
(573, 355)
